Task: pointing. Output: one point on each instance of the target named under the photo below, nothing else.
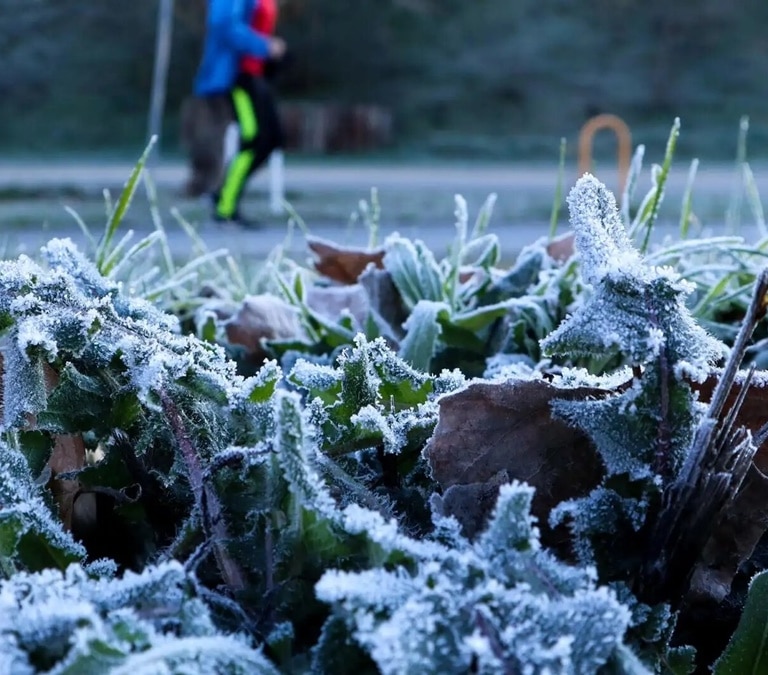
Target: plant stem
(755, 314)
(205, 496)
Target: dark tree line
(459, 76)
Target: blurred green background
(486, 79)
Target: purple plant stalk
(205, 497)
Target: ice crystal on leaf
(500, 604)
(66, 311)
(67, 622)
(602, 241)
(30, 537)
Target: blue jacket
(228, 38)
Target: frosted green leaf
(296, 450)
(423, 332)
(414, 270)
(602, 240)
(143, 623)
(443, 607)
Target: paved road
(364, 175)
(516, 185)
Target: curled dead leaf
(333, 301)
(562, 247)
(492, 429)
(387, 307)
(262, 317)
(343, 264)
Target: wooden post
(160, 74)
(623, 137)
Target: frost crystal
(501, 604)
(67, 311)
(601, 239)
(69, 622)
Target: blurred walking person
(239, 47)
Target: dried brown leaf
(342, 264)
(332, 301)
(492, 428)
(262, 317)
(561, 248)
(68, 455)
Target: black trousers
(261, 132)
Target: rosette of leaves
(83, 359)
(435, 313)
(376, 413)
(445, 605)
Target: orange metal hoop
(623, 136)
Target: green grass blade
(755, 203)
(81, 224)
(198, 243)
(687, 207)
(635, 167)
(118, 211)
(374, 219)
(483, 217)
(157, 221)
(714, 292)
(457, 250)
(660, 183)
(733, 215)
(557, 202)
(150, 240)
(113, 256)
(294, 216)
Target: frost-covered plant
(634, 316)
(375, 413)
(501, 604)
(440, 312)
(31, 538)
(234, 465)
(74, 622)
(637, 312)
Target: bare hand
(276, 48)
